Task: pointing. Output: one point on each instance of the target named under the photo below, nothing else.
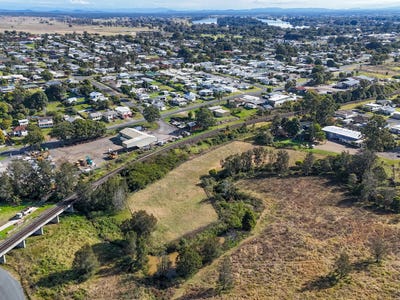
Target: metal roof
(344, 132)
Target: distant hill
(165, 11)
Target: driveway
(336, 148)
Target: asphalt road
(10, 289)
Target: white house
(23, 122)
(277, 99)
(96, 96)
(95, 116)
(71, 100)
(123, 112)
(46, 122)
(20, 131)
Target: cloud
(80, 2)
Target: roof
(344, 132)
(136, 138)
(122, 109)
(20, 128)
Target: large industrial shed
(343, 135)
(132, 138)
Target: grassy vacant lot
(177, 200)
(308, 223)
(44, 265)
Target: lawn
(308, 223)
(245, 113)
(8, 211)
(176, 200)
(354, 105)
(54, 106)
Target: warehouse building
(343, 135)
(132, 138)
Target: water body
(10, 289)
(206, 21)
(277, 23)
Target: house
(95, 116)
(396, 115)
(252, 99)
(190, 96)
(206, 93)
(343, 135)
(110, 115)
(218, 111)
(395, 129)
(372, 107)
(345, 114)
(123, 112)
(23, 122)
(96, 96)
(143, 96)
(250, 105)
(132, 138)
(277, 99)
(71, 100)
(348, 83)
(46, 122)
(387, 110)
(20, 131)
(160, 105)
(178, 102)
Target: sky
(194, 4)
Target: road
(183, 109)
(10, 289)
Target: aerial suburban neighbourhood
(206, 152)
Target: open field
(308, 223)
(42, 25)
(176, 200)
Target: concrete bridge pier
(70, 209)
(3, 259)
(56, 220)
(38, 232)
(21, 245)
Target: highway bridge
(51, 215)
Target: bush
(189, 262)
(248, 220)
(85, 262)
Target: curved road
(10, 289)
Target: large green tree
(204, 118)
(189, 262)
(37, 100)
(377, 136)
(151, 113)
(35, 136)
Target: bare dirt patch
(95, 149)
(336, 148)
(310, 222)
